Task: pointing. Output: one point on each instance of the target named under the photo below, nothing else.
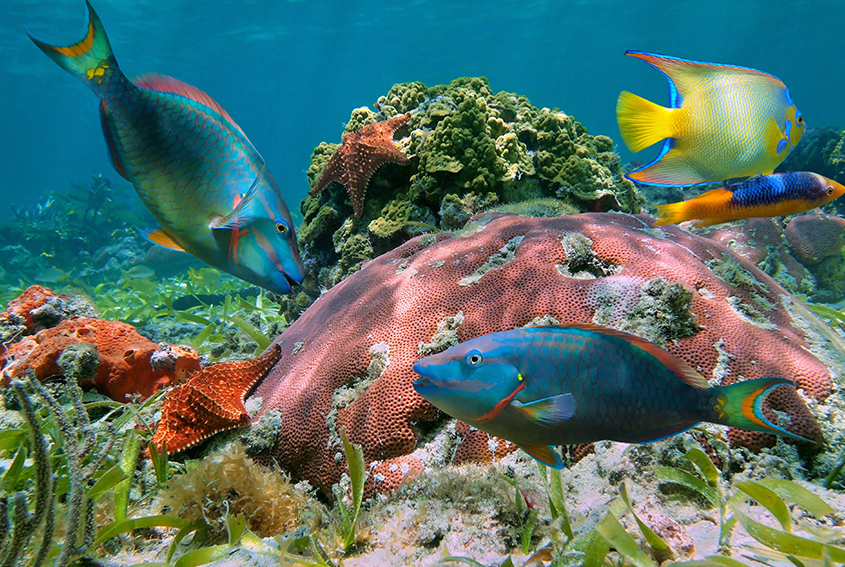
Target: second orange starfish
(359, 155)
(210, 401)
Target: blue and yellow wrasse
(192, 166)
(723, 122)
(545, 386)
(772, 195)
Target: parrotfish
(560, 385)
(723, 122)
(192, 166)
(772, 195)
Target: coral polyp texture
(346, 363)
(467, 149)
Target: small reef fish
(772, 195)
(561, 385)
(723, 122)
(192, 166)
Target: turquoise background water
(290, 72)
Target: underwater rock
(470, 149)
(814, 237)
(503, 271)
(123, 367)
(762, 242)
(40, 308)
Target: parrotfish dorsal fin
(158, 236)
(548, 411)
(244, 212)
(546, 454)
(111, 144)
(165, 84)
(678, 367)
(684, 74)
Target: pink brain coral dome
(346, 363)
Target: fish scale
(192, 166)
(563, 385)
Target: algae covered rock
(471, 149)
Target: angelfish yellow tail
(642, 122)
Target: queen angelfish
(561, 385)
(723, 121)
(192, 166)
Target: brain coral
(471, 149)
(346, 362)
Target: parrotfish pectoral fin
(86, 59)
(741, 405)
(641, 122)
(546, 454)
(548, 411)
(111, 142)
(248, 208)
(158, 236)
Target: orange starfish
(359, 155)
(210, 401)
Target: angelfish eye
(281, 228)
(474, 358)
(799, 119)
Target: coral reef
(122, 361)
(717, 311)
(38, 308)
(469, 149)
(209, 401)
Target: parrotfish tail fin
(641, 122)
(90, 59)
(741, 405)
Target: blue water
(290, 72)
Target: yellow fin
(642, 122)
(672, 213)
(546, 454)
(161, 238)
(774, 140)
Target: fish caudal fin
(90, 59)
(741, 405)
(642, 123)
(673, 213)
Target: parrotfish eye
(474, 358)
(281, 228)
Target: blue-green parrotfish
(723, 122)
(774, 195)
(192, 166)
(561, 385)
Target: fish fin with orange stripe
(741, 405)
(89, 59)
(711, 207)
